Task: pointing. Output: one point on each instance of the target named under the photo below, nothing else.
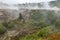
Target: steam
(46, 5)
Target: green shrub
(44, 31)
(57, 24)
(10, 25)
(29, 37)
(41, 33)
(15, 24)
(2, 29)
(37, 24)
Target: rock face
(8, 14)
(26, 14)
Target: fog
(23, 1)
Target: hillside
(30, 21)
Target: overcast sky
(23, 1)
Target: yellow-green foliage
(44, 31)
(30, 37)
(41, 33)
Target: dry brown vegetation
(54, 36)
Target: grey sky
(23, 1)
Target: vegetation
(2, 29)
(54, 36)
(40, 27)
